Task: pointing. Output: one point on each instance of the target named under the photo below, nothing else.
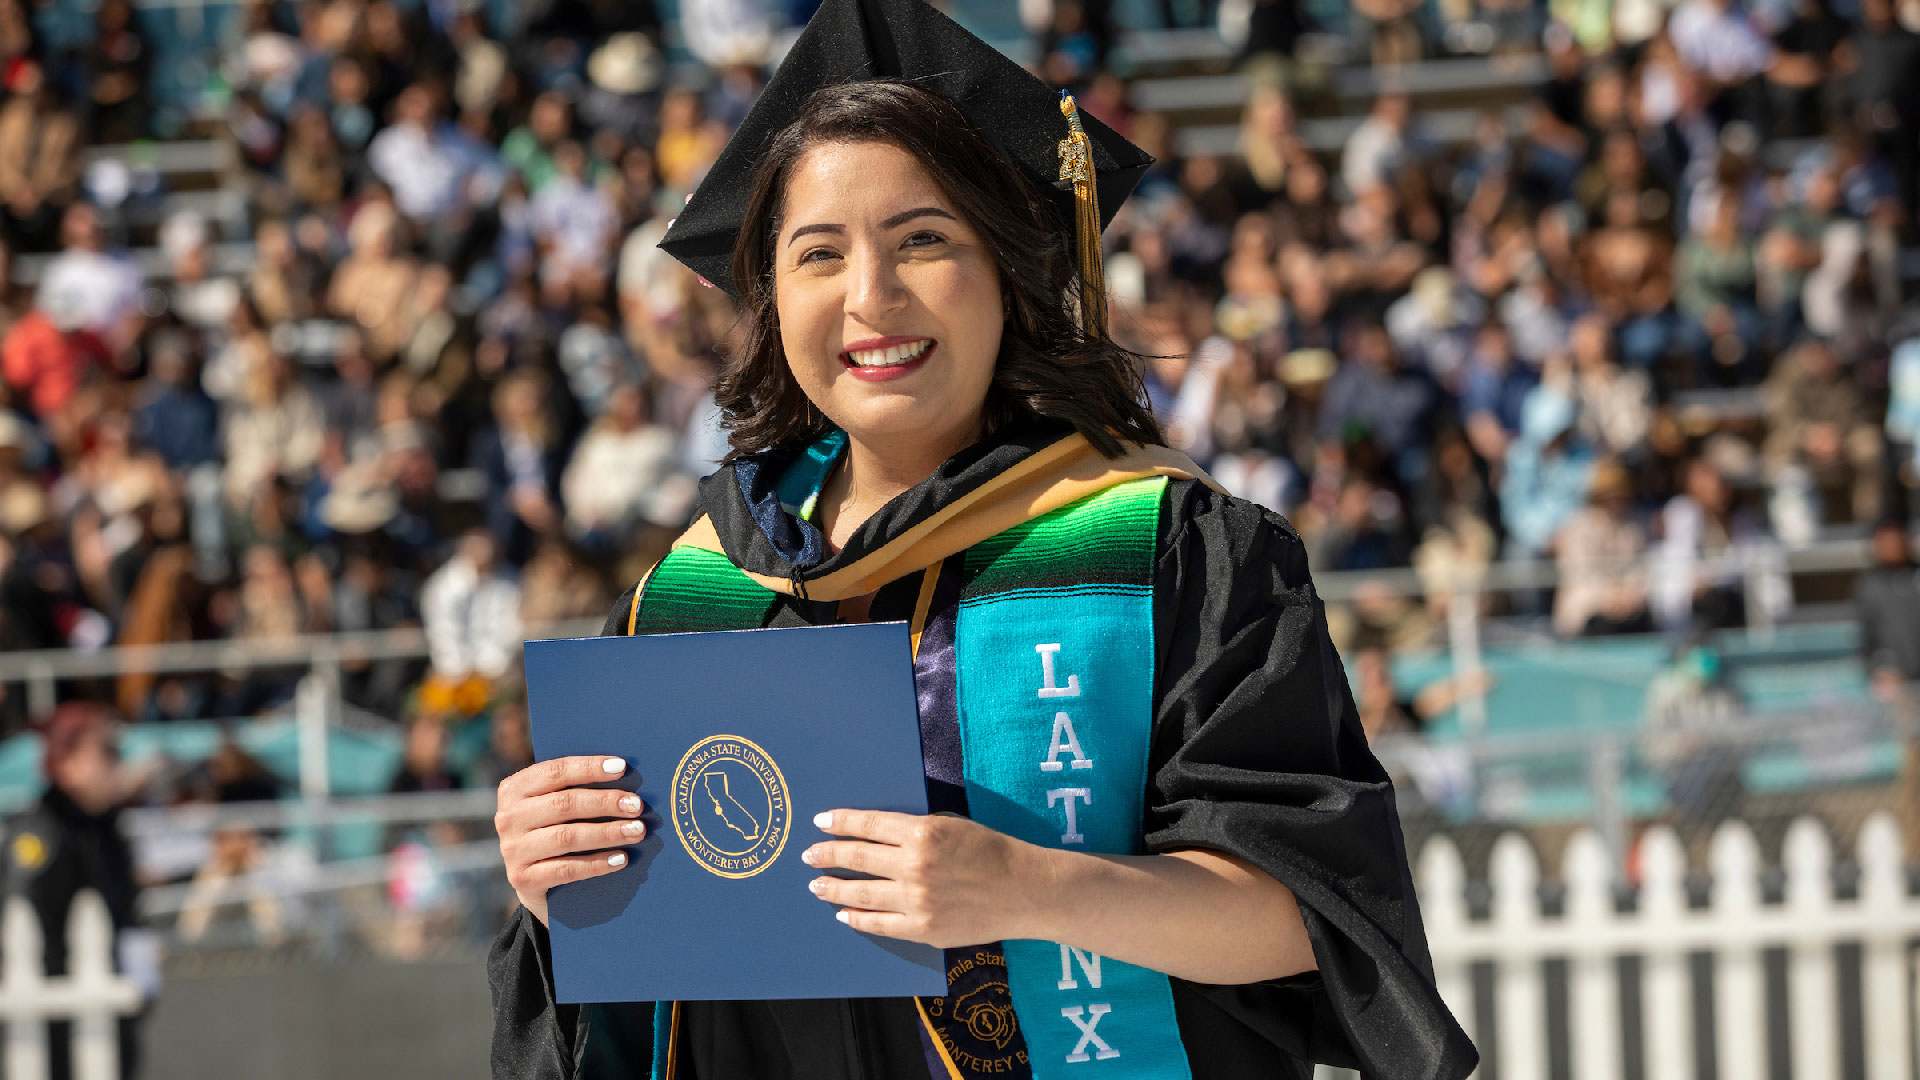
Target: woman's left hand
(939, 880)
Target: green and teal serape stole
(1054, 654)
(695, 590)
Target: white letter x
(1094, 1013)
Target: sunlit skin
(871, 253)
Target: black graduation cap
(858, 40)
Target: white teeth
(892, 356)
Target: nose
(874, 288)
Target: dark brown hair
(1048, 367)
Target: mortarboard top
(858, 40)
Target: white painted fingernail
(613, 765)
(816, 885)
(823, 819)
(633, 828)
(631, 804)
(618, 858)
(841, 915)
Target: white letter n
(1089, 966)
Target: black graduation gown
(1257, 751)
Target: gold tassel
(1076, 164)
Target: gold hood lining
(1065, 472)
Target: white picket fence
(91, 994)
(1735, 927)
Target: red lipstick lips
(891, 371)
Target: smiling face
(889, 302)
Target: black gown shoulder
(1258, 752)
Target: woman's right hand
(548, 835)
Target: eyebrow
(893, 222)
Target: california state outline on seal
(731, 808)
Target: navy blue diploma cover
(734, 740)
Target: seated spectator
(686, 145)
(624, 473)
(235, 868)
(423, 763)
(1791, 247)
(351, 404)
(574, 223)
(1434, 325)
(312, 165)
(422, 893)
(1903, 412)
(1623, 166)
(46, 356)
(422, 159)
(1390, 30)
(1818, 421)
(200, 296)
(1804, 59)
(1366, 530)
(471, 610)
(522, 460)
(349, 104)
(1628, 269)
(1269, 145)
(158, 612)
(557, 585)
(1886, 600)
(1718, 39)
(1548, 473)
(1306, 215)
(40, 147)
(1702, 773)
(1377, 147)
(1707, 545)
(116, 65)
(1883, 93)
(1557, 140)
(1714, 286)
(529, 148)
(284, 286)
(101, 289)
(1456, 497)
(1600, 554)
(1311, 321)
(1379, 260)
(1614, 405)
(1374, 395)
(509, 744)
(275, 430)
(372, 283)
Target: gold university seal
(730, 806)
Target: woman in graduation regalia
(1160, 846)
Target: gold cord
(1076, 164)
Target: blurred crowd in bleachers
(370, 329)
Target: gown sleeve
(1258, 753)
(534, 1036)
